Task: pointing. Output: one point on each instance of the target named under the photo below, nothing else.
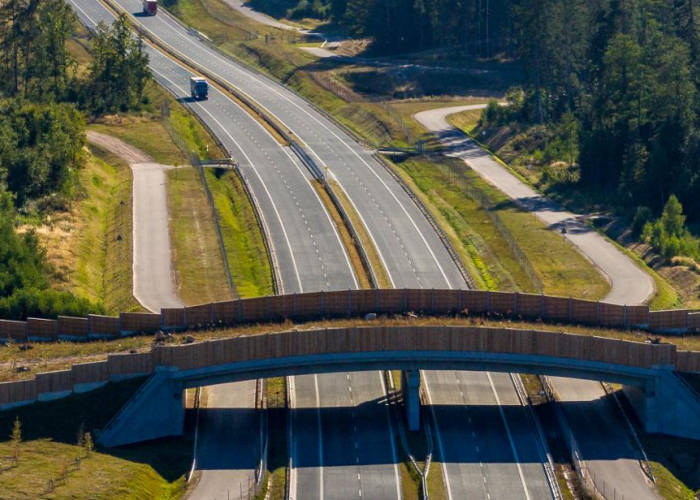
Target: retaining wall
(347, 340)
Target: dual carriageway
(342, 439)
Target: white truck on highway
(199, 88)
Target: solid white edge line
(510, 436)
(306, 112)
(320, 438)
(272, 201)
(391, 438)
(439, 438)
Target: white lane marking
(84, 13)
(293, 452)
(254, 78)
(510, 437)
(330, 221)
(320, 438)
(272, 201)
(448, 487)
(391, 438)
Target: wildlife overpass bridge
(648, 371)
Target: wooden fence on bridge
(348, 340)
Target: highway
(410, 250)
(606, 449)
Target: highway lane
(408, 246)
(311, 257)
(484, 437)
(602, 436)
(617, 466)
(355, 455)
(416, 258)
(309, 252)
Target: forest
(615, 82)
(44, 107)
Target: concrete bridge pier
(410, 387)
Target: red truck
(150, 7)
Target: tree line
(45, 103)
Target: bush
(641, 217)
(45, 304)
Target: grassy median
(243, 239)
(561, 268)
(200, 273)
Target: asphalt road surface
(410, 249)
(308, 250)
(152, 262)
(630, 284)
(605, 442)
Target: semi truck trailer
(199, 88)
(150, 7)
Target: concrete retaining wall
(348, 340)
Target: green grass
(277, 458)
(146, 131)
(83, 244)
(155, 470)
(562, 270)
(201, 276)
(243, 239)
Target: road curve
(607, 451)
(630, 284)
(152, 262)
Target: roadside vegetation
(43, 161)
(197, 259)
(53, 435)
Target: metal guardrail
(644, 461)
(286, 135)
(277, 285)
(320, 176)
(549, 468)
(429, 216)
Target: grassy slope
(562, 269)
(155, 470)
(666, 296)
(245, 246)
(197, 257)
(83, 243)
